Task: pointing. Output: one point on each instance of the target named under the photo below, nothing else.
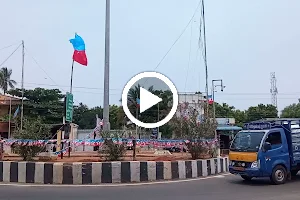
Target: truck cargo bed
(296, 145)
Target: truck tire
(246, 178)
(294, 172)
(279, 175)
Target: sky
(246, 41)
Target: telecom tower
(273, 90)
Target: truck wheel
(279, 175)
(246, 178)
(294, 172)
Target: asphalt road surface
(219, 188)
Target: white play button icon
(137, 98)
(147, 100)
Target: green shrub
(32, 130)
(112, 151)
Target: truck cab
(267, 148)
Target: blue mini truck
(267, 148)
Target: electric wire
(184, 92)
(183, 31)
(46, 72)
(6, 47)
(10, 55)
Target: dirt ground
(94, 157)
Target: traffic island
(109, 172)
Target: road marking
(113, 185)
(220, 176)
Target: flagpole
(205, 59)
(22, 106)
(71, 86)
(64, 118)
(9, 119)
(106, 125)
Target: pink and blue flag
(79, 50)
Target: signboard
(69, 107)
(225, 121)
(154, 133)
(257, 126)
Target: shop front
(226, 131)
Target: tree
(240, 117)
(116, 117)
(132, 96)
(224, 110)
(163, 110)
(261, 111)
(195, 128)
(291, 111)
(40, 102)
(84, 117)
(32, 130)
(121, 117)
(5, 81)
(253, 113)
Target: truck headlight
(255, 164)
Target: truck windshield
(247, 141)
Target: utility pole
(22, 84)
(205, 59)
(157, 119)
(106, 125)
(9, 120)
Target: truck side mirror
(267, 146)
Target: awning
(228, 128)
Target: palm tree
(5, 81)
(132, 96)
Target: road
(219, 188)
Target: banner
(99, 142)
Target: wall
(4, 110)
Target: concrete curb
(109, 172)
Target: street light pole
(106, 125)
(213, 93)
(214, 105)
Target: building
(188, 102)
(8, 104)
(6, 101)
(226, 130)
